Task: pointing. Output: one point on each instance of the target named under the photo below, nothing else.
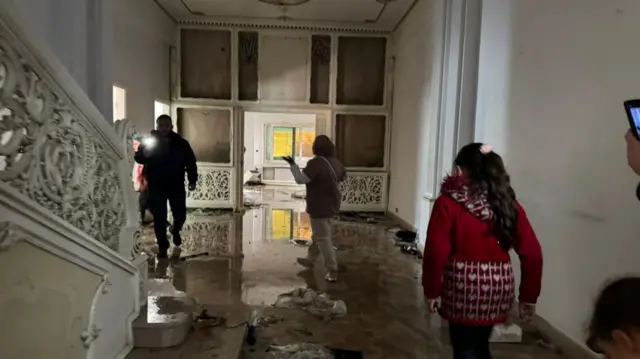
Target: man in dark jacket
(166, 156)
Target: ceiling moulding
(285, 2)
(284, 26)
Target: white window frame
(302, 161)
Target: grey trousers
(321, 243)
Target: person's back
(322, 176)
(166, 166)
(474, 224)
(472, 236)
(323, 192)
(166, 157)
(475, 256)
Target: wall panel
(360, 140)
(284, 68)
(206, 64)
(340, 77)
(208, 130)
(361, 70)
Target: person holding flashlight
(166, 157)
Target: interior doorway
(270, 136)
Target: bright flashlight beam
(149, 142)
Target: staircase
(165, 322)
(74, 278)
(173, 325)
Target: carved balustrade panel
(54, 154)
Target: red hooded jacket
(465, 265)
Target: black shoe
(175, 253)
(177, 240)
(305, 262)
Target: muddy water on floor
(248, 260)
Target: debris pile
(319, 305)
(406, 240)
(299, 351)
(364, 217)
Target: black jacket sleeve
(343, 173)
(140, 157)
(190, 163)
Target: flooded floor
(247, 260)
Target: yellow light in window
(304, 141)
(280, 224)
(302, 226)
(282, 142)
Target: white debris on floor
(319, 305)
(299, 194)
(299, 351)
(506, 333)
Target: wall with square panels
(344, 76)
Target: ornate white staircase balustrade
(69, 249)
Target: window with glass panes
(296, 142)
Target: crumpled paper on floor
(319, 305)
(299, 351)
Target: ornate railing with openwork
(69, 250)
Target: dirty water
(249, 260)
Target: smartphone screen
(635, 115)
(632, 108)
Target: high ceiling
(382, 15)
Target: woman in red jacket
(467, 273)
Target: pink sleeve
(136, 174)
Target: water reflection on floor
(250, 259)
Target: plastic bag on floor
(299, 351)
(506, 333)
(319, 305)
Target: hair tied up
(486, 148)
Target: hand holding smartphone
(632, 108)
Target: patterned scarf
(457, 187)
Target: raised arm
(190, 164)
(437, 248)
(528, 249)
(300, 176)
